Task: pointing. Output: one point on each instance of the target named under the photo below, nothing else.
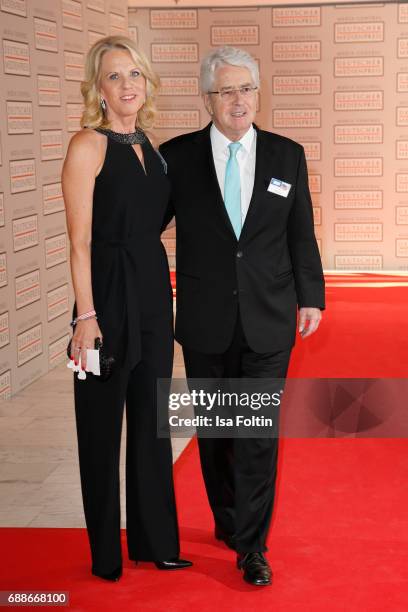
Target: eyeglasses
(229, 94)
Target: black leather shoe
(228, 540)
(112, 577)
(256, 568)
(173, 564)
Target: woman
(116, 193)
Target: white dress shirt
(246, 157)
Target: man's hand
(309, 319)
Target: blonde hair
(93, 115)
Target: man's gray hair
(226, 56)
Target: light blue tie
(232, 188)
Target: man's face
(234, 113)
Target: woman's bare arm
(82, 164)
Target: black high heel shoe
(112, 577)
(171, 564)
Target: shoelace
(255, 558)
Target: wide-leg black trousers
(239, 473)
(151, 521)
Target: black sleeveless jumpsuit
(133, 301)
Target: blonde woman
(116, 193)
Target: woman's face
(122, 84)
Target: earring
(103, 104)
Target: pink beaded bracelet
(91, 314)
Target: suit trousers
(239, 473)
(152, 532)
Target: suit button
(235, 292)
(239, 254)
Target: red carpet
(364, 332)
(339, 539)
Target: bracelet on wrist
(91, 314)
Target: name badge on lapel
(279, 187)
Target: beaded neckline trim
(137, 137)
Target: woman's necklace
(137, 137)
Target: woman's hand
(84, 338)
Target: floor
(339, 536)
(39, 475)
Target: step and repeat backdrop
(43, 46)
(334, 78)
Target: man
(246, 259)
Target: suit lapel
(212, 187)
(265, 160)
